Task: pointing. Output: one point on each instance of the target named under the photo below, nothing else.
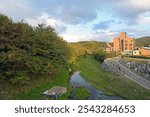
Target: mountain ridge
(142, 41)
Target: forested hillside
(141, 42)
(27, 51)
(85, 48)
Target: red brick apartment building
(124, 44)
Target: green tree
(26, 51)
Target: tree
(26, 51)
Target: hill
(143, 41)
(85, 48)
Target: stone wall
(142, 69)
(112, 68)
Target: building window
(125, 48)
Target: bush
(26, 51)
(101, 56)
(20, 78)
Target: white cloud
(86, 33)
(80, 32)
(59, 26)
(142, 4)
(45, 19)
(144, 18)
(77, 33)
(133, 4)
(14, 9)
(74, 19)
(128, 10)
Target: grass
(138, 60)
(81, 93)
(112, 85)
(34, 90)
(90, 69)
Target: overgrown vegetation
(102, 55)
(81, 93)
(34, 89)
(85, 48)
(27, 51)
(34, 59)
(112, 85)
(38, 86)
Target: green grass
(34, 90)
(112, 85)
(81, 93)
(138, 60)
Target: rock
(140, 68)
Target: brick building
(124, 44)
(145, 51)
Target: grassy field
(90, 69)
(81, 93)
(112, 85)
(138, 60)
(34, 90)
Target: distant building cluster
(126, 46)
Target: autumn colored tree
(26, 51)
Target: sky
(84, 20)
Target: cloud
(76, 11)
(78, 20)
(129, 10)
(85, 32)
(45, 19)
(104, 24)
(83, 11)
(69, 11)
(144, 18)
(15, 9)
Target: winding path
(127, 72)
